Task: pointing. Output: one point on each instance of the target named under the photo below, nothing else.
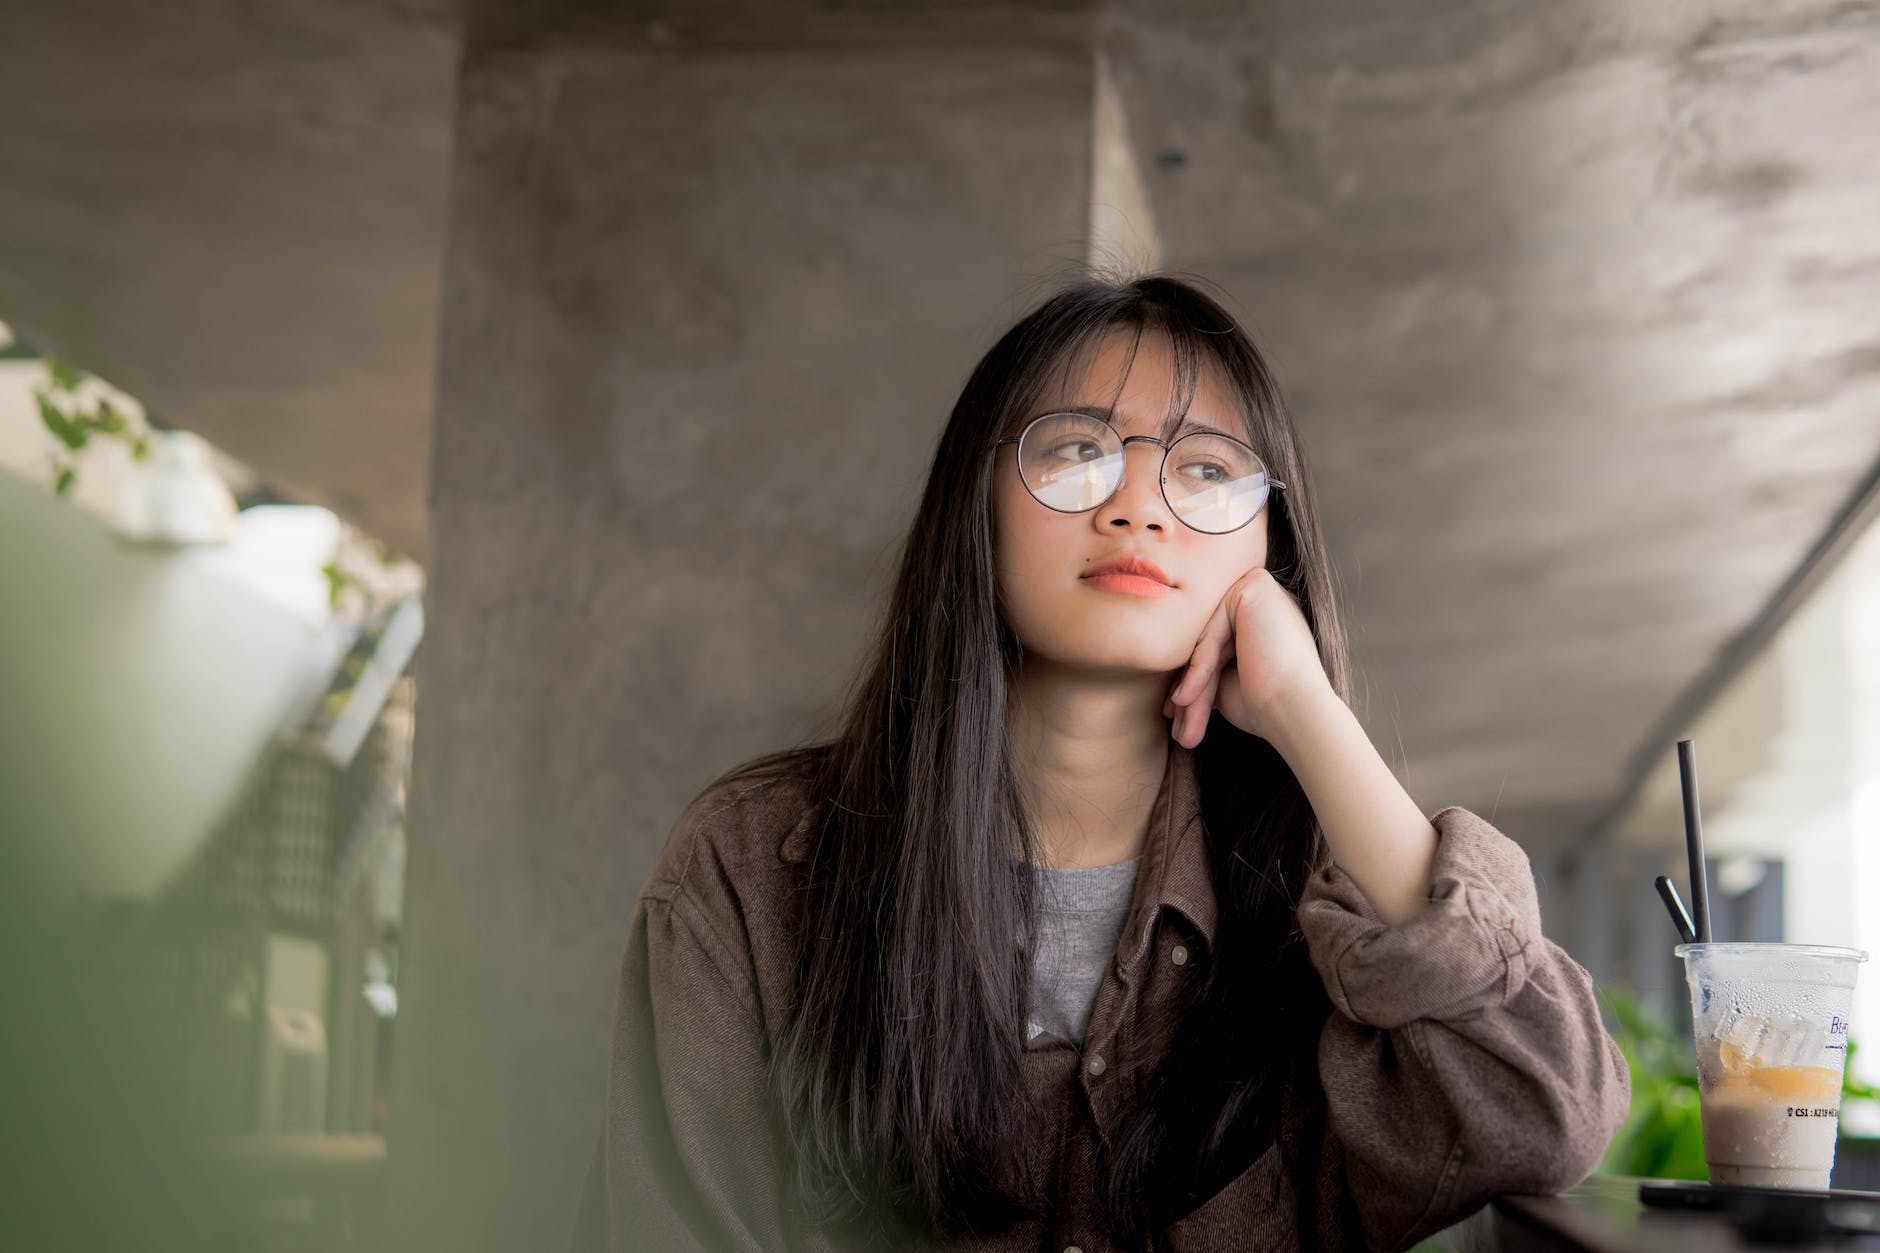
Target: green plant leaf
(64, 429)
(336, 581)
(1851, 1088)
(109, 420)
(140, 449)
(65, 377)
(62, 486)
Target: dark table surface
(1605, 1215)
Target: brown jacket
(1463, 1055)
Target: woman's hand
(1256, 662)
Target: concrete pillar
(1594, 914)
(705, 312)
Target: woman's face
(1107, 624)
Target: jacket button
(1095, 1064)
(1072, 1248)
(1178, 955)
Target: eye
(1205, 472)
(1076, 450)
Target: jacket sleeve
(687, 1158)
(1464, 1056)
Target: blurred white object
(278, 551)
(386, 661)
(383, 998)
(177, 498)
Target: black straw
(1694, 843)
(1668, 893)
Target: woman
(1101, 924)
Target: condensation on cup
(1770, 1028)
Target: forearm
(1376, 832)
(1465, 1055)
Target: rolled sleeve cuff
(1467, 950)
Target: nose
(1137, 503)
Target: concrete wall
(686, 404)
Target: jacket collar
(1175, 873)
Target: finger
(1194, 715)
(1198, 713)
(1214, 652)
(1203, 689)
(1216, 636)
(1177, 727)
(1171, 707)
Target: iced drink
(1770, 1026)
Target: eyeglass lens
(1073, 462)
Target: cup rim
(1773, 948)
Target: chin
(1116, 658)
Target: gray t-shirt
(1080, 916)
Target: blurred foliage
(74, 425)
(352, 668)
(348, 569)
(1663, 1134)
(1852, 1091)
(337, 581)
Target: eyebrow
(1107, 414)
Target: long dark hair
(899, 1077)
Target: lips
(1140, 567)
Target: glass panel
(1071, 462)
(1214, 484)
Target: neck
(1090, 753)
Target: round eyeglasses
(1073, 462)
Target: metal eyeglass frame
(1161, 477)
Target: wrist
(1295, 717)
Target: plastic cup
(1770, 1027)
